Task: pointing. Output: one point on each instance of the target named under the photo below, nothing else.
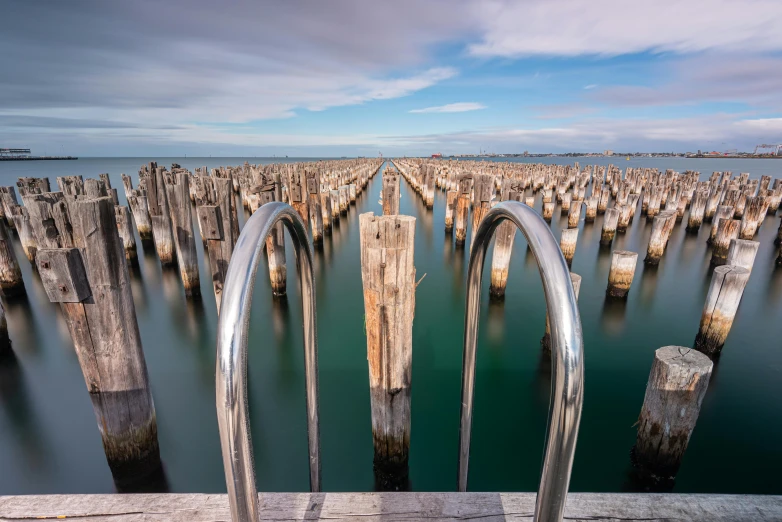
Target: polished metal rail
(567, 353)
(232, 331)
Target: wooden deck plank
(437, 507)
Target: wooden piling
(754, 213)
(275, 242)
(178, 196)
(160, 216)
(450, 208)
(574, 214)
(674, 393)
(662, 226)
(11, 282)
(722, 302)
(334, 196)
(484, 186)
(609, 226)
(325, 208)
(463, 208)
(620, 277)
(24, 230)
(591, 209)
(216, 215)
(548, 211)
(605, 197)
(125, 230)
(344, 199)
(727, 229)
(388, 276)
(71, 186)
(390, 192)
(567, 243)
(742, 252)
(625, 215)
(697, 211)
(504, 235)
(315, 212)
(92, 284)
(722, 212)
(545, 342)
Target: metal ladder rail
(232, 336)
(567, 353)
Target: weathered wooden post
(545, 342)
(159, 215)
(8, 200)
(268, 191)
(504, 235)
(297, 194)
(24, 230)
(609, 226)
(450, 208)
(178, 196)
(139, 206)
(567, 243)
(313, 199)
(722, 303)
(344, 199)
(548, 211)
(484, 186)
(325, 208)
(662, 227)
(352, 193)
(754, 213)
(92, 284)
(742, 253)
(388, 276)
(574, 214)
(722, 212)
(567, 200)
(71, 186)
(125, 230)
(674, 393)
(591, 209)
(625, 215)
(11, 282)
(216, 216)
(30, 186)
(697, 211)
(727, 229)
(390, 192)
(605, 197)
(621, 274)
(463, 208)
(334, 196)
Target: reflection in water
(774, 286)
(282, 334)
(496, 322)
(458, 268)
(171, 287)
(137, 287)
(603, 263)
(613, 316)
(17, 407)
(649, 276)
(21, 324)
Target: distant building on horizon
(608, 153)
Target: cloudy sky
(340, 77)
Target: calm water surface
(49, 442)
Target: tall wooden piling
(325, 208)
(545, 342)
(722, 303)
(742, 252)
(548, 211)
(605, 197)
(625, 215)
(697, 211)
(674, 393)
(621, 274)
(92, 284)
(11, 282)
(609, 226)
(125, 230)
(484, 186)
(160, 215)
(567, 243)
(450, 208)
(727, 229)
(297, 194)
(504, 235)
(216, 216)
(315, 212)
(178, 196)
(574, 214)
(24, 230)
(275, 242)
(662, 226)
(591, 209)
(463, 208)
(388, 276)
(722, 212)
(344, 199)
(390, 192)
(754, 213)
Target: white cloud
(452, 107)
(614, 27)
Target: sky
(363, 77)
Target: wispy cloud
(590, 86)
(452, 107)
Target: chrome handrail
(567, 353)
(232, 331)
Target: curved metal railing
(567, 353)
(232, 331)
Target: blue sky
(409, 77)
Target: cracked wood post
(450, 208)
(742, 253)
(697, 211)
(722, 303)
(92, 284)
(325, 208)
(605, 197)
(160, 216)
(388, 276)
(567, 243)
(463, 208)
(275, 246)
(674, 393)
(335, 212)
(662, 226)
(722, 212)
(504, 235)
(545, 342)
(567, 201)
(178, 196)
(216, 220)
(352, 193)
(127, 183)
(591, 209)
(125, 229)
(11, 282)
(621, 274)
(574, 214)
(139, 206)
(297, 195)
(71, 186)
(344, 199)
(625, 215)
(548, 211)
(484, 185)
(313, 199)
(25, 232)
(390, 192)
(429, 199)
(29, 186)
(609, 226)
(8, 200)
(727, 229)
(753, 216)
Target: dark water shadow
(649, 280)
(154, 482)
(612, 319)
(19, 311)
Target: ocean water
(49, 441)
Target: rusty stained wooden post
(504, 235)
(216, 210)
(674, 393)
(567, 243)
(722, 303)
(742, 253)
(621, 274)
(325, 207)
(591, 209)
(484, 186)
(727, 229)
(545, 342)
(388, 276)
(609, 226)
(92, 285)
(390, 192)
(313, 199)
(297, 194)
(11, 282)
(125, 229)
(574, 214)
(159, 215)
(753, 216)
(548, 211)
(662, 227)
(722, 212)
(178, 196)
(463, 208)
(450, 209)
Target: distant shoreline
(41, 158)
